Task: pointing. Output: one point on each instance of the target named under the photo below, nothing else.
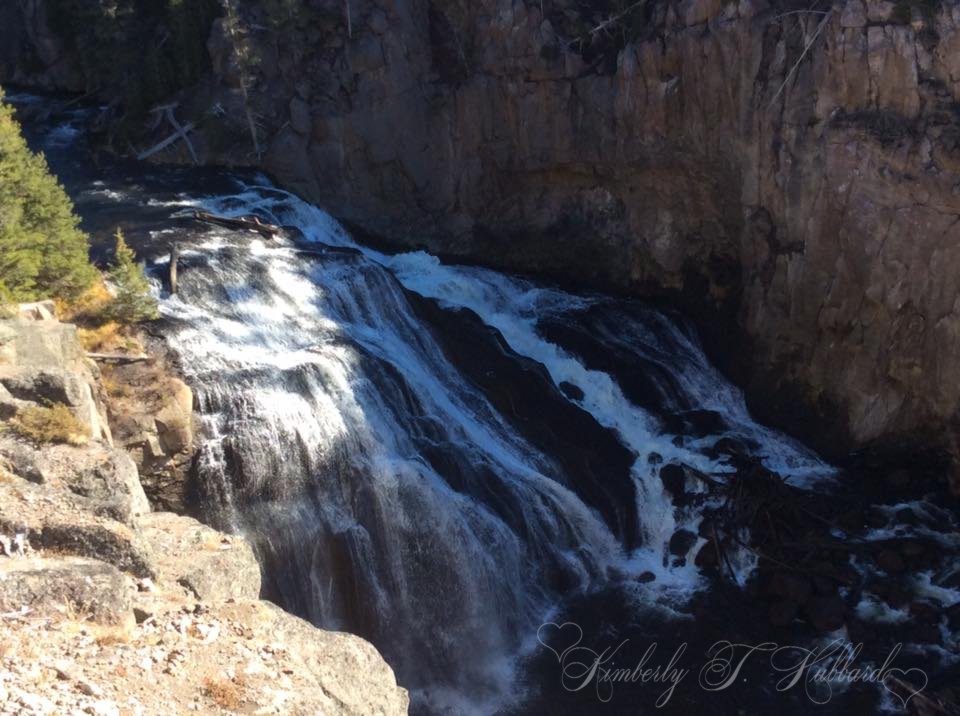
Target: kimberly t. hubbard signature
(818, 670)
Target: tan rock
(56, 519)
(212, 565)
(38, 310)
(69, 587)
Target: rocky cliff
(787, 168)
(107, 607)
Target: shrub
(53, 424)
(103, 339)
(43, 253)
(88, 307)
(226, 694)
(133, 302)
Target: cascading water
(386, 492)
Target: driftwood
(180, 132)
(251, 223)
(120, 358)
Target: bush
(88, 307)
(133, 302)
(226, 694)
(53, 424)
(43, 253)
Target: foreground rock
(211, 565)
(245, 656)
(180, 629)
(42, 362)
(71, 587)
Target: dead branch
(823, 23)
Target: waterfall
(386, 483)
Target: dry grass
(115, 389)
(89, 306)
(74, 619)
(109, 635)
(101, 339)
(53, 424)
(111, 337)
(226, 694)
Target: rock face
(151, 415)
(65, 584)
(42, 361)
(697, 148)
(211, 565)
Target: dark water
(469, 468)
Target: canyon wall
(789, 174)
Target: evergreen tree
(133, 303)
(43, 253)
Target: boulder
(38, 310)
(153, 420)
(79, 588)
(674, 479)
(58, 520)
(212, 565)
(341, 673)
(105, 475)
(43, 362)
(44, 385)
(681, 542)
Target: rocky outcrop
(151, 415)
(104, 475)
(54, 586)
(181, 629)
(42, 362)
(788, 169)
(106, 606)
(211, 565)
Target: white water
(322, 394)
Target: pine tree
(43, 253)
(133, 302)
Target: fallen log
(180, 133)
(251, 223)
(120, 358)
